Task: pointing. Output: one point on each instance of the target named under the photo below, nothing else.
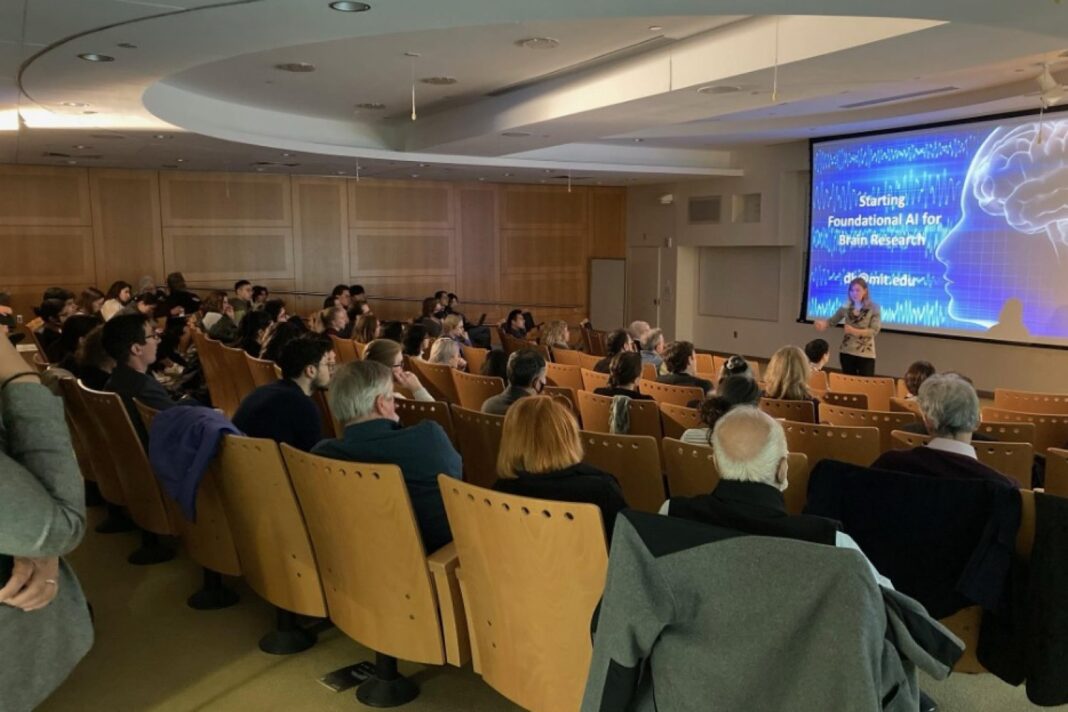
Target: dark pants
(857, 365)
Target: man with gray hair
(361, 398)
(950, 408)
(652, 347)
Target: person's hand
(5, 310)
(228, 310)
(407, 379)
(33, 583)
(820, 324)
(852, 330)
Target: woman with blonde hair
(786, 377)
(388, 353)
(453, 328)
(541, 456)
(447, 351)
(556, 335)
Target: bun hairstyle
(735, 366)
(732, 391)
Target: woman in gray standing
(863, 319)
(44, 621)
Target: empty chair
(564, 376)
(373, 566)
(856, 445)
(1050, 430)
(634, 460)
(345, 349)
(262, 371)
(592, 380)
(478, 438)
(677, 419)
(648, 372)
(886, 422)
(644, 415)
(237, 370)
(878, 389)
(817, 381)
(411, 412)
(704, 364)
(667, 393)
(532, 572)
(569, 357)
(220, 386)
(1057, 472)
(1031, 401)
(848, 400)
(437, 378)
(1010, 432)
(475, 357)
(799, 411)
(906, 405)
(473, 390)
(271, 538)
(566, 394)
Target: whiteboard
(608, 293)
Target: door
(643, 284)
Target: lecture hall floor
(154, 653)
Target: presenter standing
(863, 319)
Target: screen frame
(802, 317)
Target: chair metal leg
(387, 687)
(287, 637)
(152, 551)
(213, 595)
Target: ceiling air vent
(899, 97)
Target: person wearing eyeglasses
(388, 353)
(131, 340)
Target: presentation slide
(959, 230)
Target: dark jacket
(948, 543)
(753, 508)
(921, 429)
(685, 379)
(612, 391)
(931, 462)
(131, 384)
(183, 443)
(578, 483)
(281, 412)
(604, 365)
(499, 404)
(422, 452)
(189, 302)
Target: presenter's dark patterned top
(868, 318)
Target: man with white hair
(950, 408)
(361, 398)
(652, 347)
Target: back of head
(950, 405)
(60, 293)
(444, 350)
(917, 373)
(282, 333)
(214, 302)
(274, 307)
(365, 329)
(430, 305)
(677, 356)
(650, 339)
(512, 316)
(749, 445)
(816, 349)
(735, 366)
(50, 309)
(383, 351)
(121, 332)
(413, 340)
(553, 333)
(75, 329)
(301, 352)
(357, 291)
(452, 323)
(356, 386)
(786, 376)
(539, 436)
(524, 367)
(624, 369)
(91, 351)
(254, 322)
(496, 364)
(616, 341)
(175, 281)
(638, 329)
(730, 392)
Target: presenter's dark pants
(857, 365)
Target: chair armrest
(443, 565)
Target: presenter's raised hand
(820, 324)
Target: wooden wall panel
(398, 203)
(224, 199)
(542, 251)
(127, 236)
(50, 255)
(562, 289)
(478, 262)
(40, 195)
(229, 253)
(398, 252)
(320, 222)
(608, 222)
(543, 206)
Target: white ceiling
(616, 102)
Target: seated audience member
(335, 321)
(260, 295)
(147, 285)
(131, 340)
(278, 335)
(818, 353)
(8, 321)
(526, 377)
(147, 303)
(276, 308)
(388, 353)
(917, 373)
(652, 344)
(415, 340)
(251, 332)
(452, 305)
(541, 456)
(556, 335)
(453, 328)
(447, 352)
(515, 324)
(617, 342)
(496, 364)
(51, 315)
(430, 318)
(357, 293)
(179, 299)
(90, 302)
(734, 366)
(950, 409)
(366, 329)
(92, 364)
(64, 295)
(392, 330)
(284, 410)
(242, 299)
(732, 391)
(680, 361)
(623, 377)
(339, 297)
(786, 377)
(75, 330)
(637, 330)
(217, 320)
(361, 398)
(118, 296)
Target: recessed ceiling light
(95, 57)
(509, 175)
(538, 43)
(371, 106)
(720, 89)
(179, 160)
(287, 155)
(340, 173)
(72, 163)
(73, 104)
(415, 175)
(516, 134)
(350, 6)
(439, 81)
(126, 45)
(546, 170)
(423, 165)
(298, 67)
(655, 28)
(161, 137)
(82, 147)
(638, 140)
(258, 170)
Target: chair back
(1010, 432)
(1057, 472)
(677, 419)
(144, 498)
(510, 344)
(413, 411)
(475, 358)
(1031, 401)
(592, 380)
(268, 527)
(1050, 430)
(220, 386)
(690, 469)
(1010, 459)
(906, 405)
(236, 367)
(261, 370)
(668, 393)
(799, 411)
(648, 372)
(437, 378)
(856, 445)
(886, 422)
(704, 363)
(568, 357)
(817, 380)
(900, 389)
(634, 460)
(360, 348)
(478, 438)
(565, 376)
(878, 389)
(594, 409)
(370, 555)
(101, 464)
(345, 349)
(847, 400)
(903, 440)
(474, 390)
(567, 396)
(532, 573)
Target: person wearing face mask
(863, 319)
(362, 399)
(526, 377)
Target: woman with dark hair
(732, 391)
(414, 341)
(623, 377)
(276, 308)
(366, 329)
(863, 319)
(616, 342)
(496, 364)
(430, 317)
(278, 335)
(47, 335)
(392, 330)
(74, 330)
(92, 364)
(90, 302)
(118, 295)
(251, 332)
(918, 372)
(260, 295)
(734, 366)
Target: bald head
(749, 445)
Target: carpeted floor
(152, 652)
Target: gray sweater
(42, 513)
